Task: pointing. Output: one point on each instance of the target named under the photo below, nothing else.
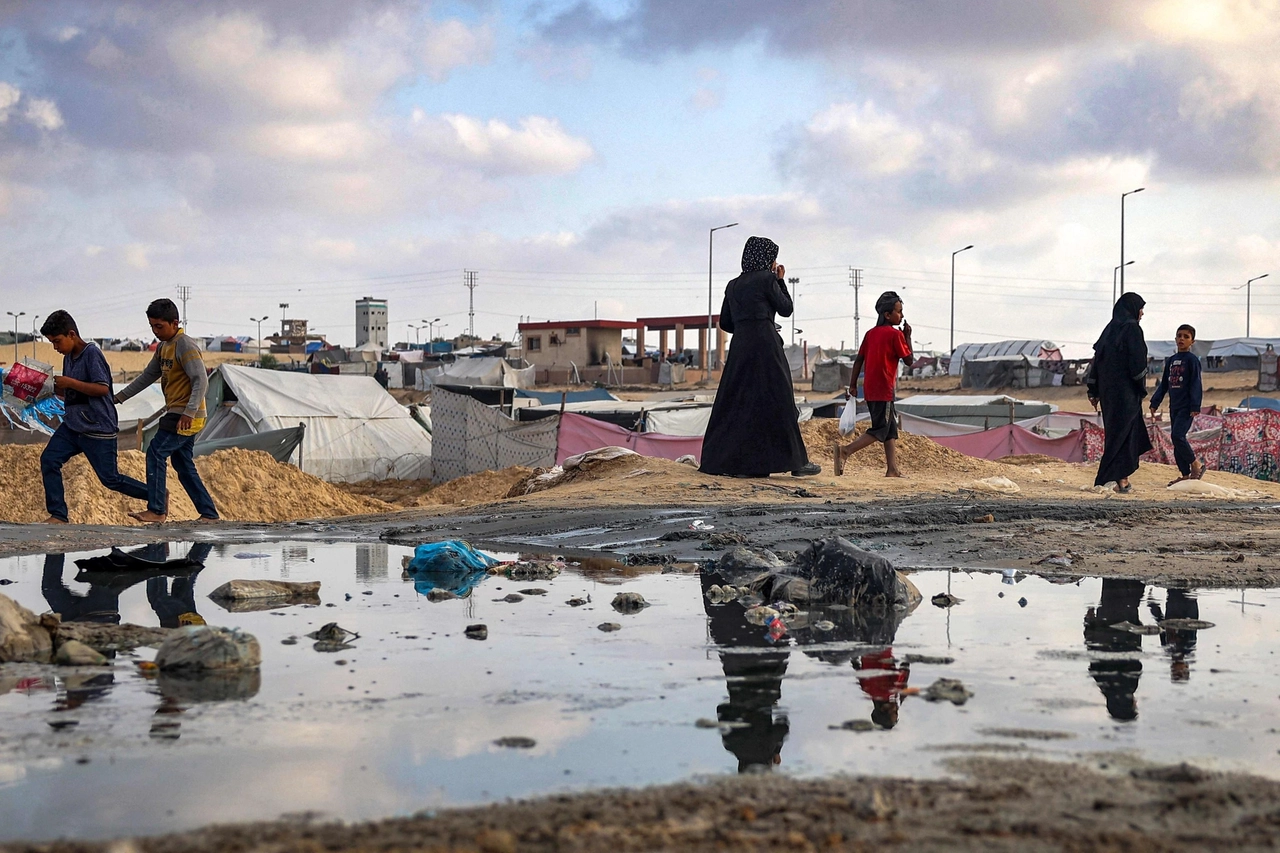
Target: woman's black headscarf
(759, 254)
(1126, 311)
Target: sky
(575, 154)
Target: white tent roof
(1224, 347)
(355, 429)
(148, 403)
(971, 352)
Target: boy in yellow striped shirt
(180, 369)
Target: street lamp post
(953, 293)
(15, 332)
(1113, 279)
(259, 320)
(431, 330)
(1122, 261)
(1248, 300)
(706, 360)
(416, 329)
(33, 336)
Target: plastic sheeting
(280, 443)
(552, 398)
(355, 430)
(1013, 440)
(580, 434)
(148, 403)
(494, 372)
(684, 421)
(469, 437)
(1032, 349)
(1238, 442)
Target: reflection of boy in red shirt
(882, 348)
(884, 689)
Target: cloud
(9, 96)
(539, 145)
(452, 44)
(43, 113)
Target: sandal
(1125, 489)
(1179, 480)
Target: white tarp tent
(355, 429)
(1034, 350)
(487, 371)
(148, 403)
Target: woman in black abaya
(753, 430)
(1118, 381)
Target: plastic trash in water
(1008, 576)
(699, 524)
(775, 628)
(452, 565)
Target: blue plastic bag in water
(451, 565)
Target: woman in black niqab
(1118, 382)
(753, 431)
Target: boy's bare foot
(838, 455)
(149, 517)
(894, 472)
(204, 519)
(52, 520)
(1197, 470)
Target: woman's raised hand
(779, 270)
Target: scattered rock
(1003, 485)
(609, 626)
(576, 602)
(824, 625)
(534, 570)
(289, 641)
(477, 632)
(511, 598)
(947, 690)
(243, 590)
(855, 726)
(1022, 602)
(1185, 625)
(629, 602)
(201, 647)
(106, 637)
(760, 614)
(1132, 628)
(22, 637)
(516, 742)
(330, 637)
(945, 599)
(1233, 558)
(5, 581)
(928, 659)
(496, 841)
(1178, 773)
(1063, 560)
(533, 591)
(76, 653)
(440, 594)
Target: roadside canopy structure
(354, 429)
(484, 370)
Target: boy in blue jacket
(1181, 381)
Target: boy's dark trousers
(1179, 426)
(166, 447)
(66, 444)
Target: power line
(469, 281)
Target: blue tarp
(452, 565)
(550, 398)
(1260, 403)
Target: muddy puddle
(416, 715)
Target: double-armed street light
(706, 356)
(953, 294)
(15, 332)
(1248, 300)
(259, 320)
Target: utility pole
(855, 281)
(184, 293)
(469, 281)
(794, 281)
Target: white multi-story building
(371, 321)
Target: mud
(1000, 805)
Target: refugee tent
(469, 437)
(1035, 350)
(484, 370)
(1007, 371)
(355, 430)
(1237, 353)
(579, 434)
(548, 398)
(1158, 351)
(142, 408)
(1260, 403)
(796, 359)
(973, 410)
(832, 376)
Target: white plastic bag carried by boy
(849, 417)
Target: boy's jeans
(164, 447)
(66, 444)
(1183, 455)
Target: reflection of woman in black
(1118, 381)
(1179, 643)
(753, 430)
(754, 681)
(1118, 679)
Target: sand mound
(246, 485)
(916, 453)
(475, 488)
(1028, 459)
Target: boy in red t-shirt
(882, 348)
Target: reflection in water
(1180, 644)
(754, 681)
(171, 594)
(1118, 678)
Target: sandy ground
(998, 805)
(122, 363)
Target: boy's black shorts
(884, 420)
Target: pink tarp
(1013, 440)
(578, 434)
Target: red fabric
(1013, 440)
(25, 382)
(883, 348)
(1240, 443)
(579, 433)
